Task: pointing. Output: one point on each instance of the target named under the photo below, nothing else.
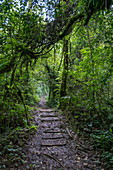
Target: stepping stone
(55, 142)
(50, 119)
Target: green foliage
(29, 69)
(89, 85)
(12, 151)
(104, 141)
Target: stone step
(55, 130)
(47, 110)
(49, 125)
(55, 142)
(50, 119)
(48, 115)
(50, 136)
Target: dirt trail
(56, 147)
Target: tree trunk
(63, 89)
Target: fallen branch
(69, 133)
(50, 156)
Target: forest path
(56, 147)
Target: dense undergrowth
(98, 129)
(12, 143)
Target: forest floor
(55, 146)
